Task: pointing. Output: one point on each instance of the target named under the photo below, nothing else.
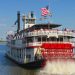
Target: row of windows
(49, 39)
(43, 39)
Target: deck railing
(50, 33)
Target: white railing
(34, 44)
(51, 33)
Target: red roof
(57, 46)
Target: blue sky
(63, 12)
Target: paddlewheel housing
(57, 50)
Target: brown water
(8, 67)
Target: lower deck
(46, 50)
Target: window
(61, 39)
(24, 40)
(39, 39)
(43, 38)
(28, 57)
(52, 39)
(29, 39)
(13, 42)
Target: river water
(8, 67)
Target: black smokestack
(32, 14)
(18, 21)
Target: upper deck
(46, 32)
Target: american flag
(44, 11)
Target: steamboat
(37, 43)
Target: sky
(63, 12)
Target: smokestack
(32, 14)
(18, 21)
(23, 19)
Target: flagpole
(50, 13)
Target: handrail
(50, 32)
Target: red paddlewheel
(58, 50)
